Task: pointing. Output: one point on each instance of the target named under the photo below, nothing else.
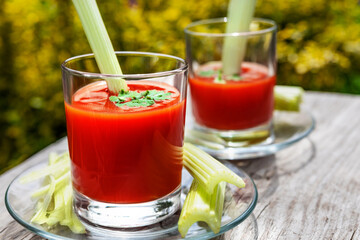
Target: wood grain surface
(310, 190)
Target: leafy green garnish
(218, 79)
(209, 73)
(219, 76)
(137, 103)
(158, 95)
(113, 98)
(139, 99)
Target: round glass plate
(239, 203)
(288, 127)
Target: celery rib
(58, 212)
(54, 157)
(205, 200)
(207, 170)
(240, 13)
(57, 169)
(100, 43)
(55, 203)
(199, 205)
(288, 98)
(40, 216)
(61, 181)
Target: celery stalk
(70, 219)
(60, 182)
(100, 42)
(76, 226)
(55, 203)
(53, 157)
(207, 170)
(57, 169)
(288, 98)
(199, 205)
(205, 200)
(58, 212)
(240, 14)
(67, 206)
(40, 216)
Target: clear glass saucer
(289, 128)
(239, 203)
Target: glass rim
(180, 69)
(187, 30)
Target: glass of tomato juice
(236, 107)
(126, 154)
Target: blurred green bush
(318, 48)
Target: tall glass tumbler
(126, 159)
(235, 105)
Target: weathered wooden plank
(15, 231)
(310, 190)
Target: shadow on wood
(247, 230)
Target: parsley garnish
(218, 76)
(139, 99)
(209, 73)
(218, 79)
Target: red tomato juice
(234, 105)
(125, 155)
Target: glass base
(262, 134)
(110, 217)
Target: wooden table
(310, 190)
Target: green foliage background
(318, 48)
